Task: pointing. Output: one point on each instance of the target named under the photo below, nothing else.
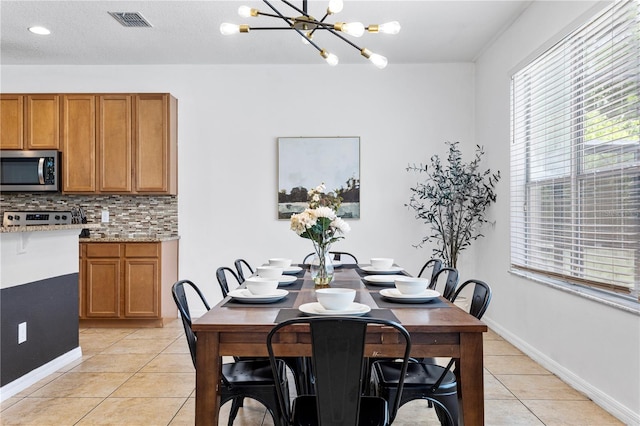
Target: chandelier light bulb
(378, 60)
(329, 57)
(355, 29)
(335, 6)
(305, 38)
(229, 29)
(392, 27)
(244, 11)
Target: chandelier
(306, 26)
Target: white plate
(315, 308)
(292, 270)
(371, 270)
(244, 295)
(395, 295)
(382, 280)
(285, 280)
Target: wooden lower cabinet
(127, 283)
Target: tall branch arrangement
(453, 199)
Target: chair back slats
(337, 363)
(240, 265)
(180, 297)
(435, 265)
(450, 284)
(339, 256)
(221, 275)
(480, 299)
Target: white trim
(32, 377)
(609, 404)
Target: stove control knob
(10, 217)
(64, 217)
(17, 217)
(57, 217)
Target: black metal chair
(338, 256)
(221, 275)
(337, 362)
(241, 379)
(425, 380)
(450, 282)
(240, 265)
(435, 265)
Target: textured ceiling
(186, 32)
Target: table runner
(384, 303)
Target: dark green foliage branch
(453, 199)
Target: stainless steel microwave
(29, 171)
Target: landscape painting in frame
(306, 162)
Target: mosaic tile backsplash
(129, 215)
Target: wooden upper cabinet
(11, 122)
(115, 146)
(155, 144)
(79, 143)
(43, 121)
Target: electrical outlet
(22, 332)
(105, 216)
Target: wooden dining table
(438, 329)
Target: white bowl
(261, 286)
(280, 261)
(381, 262)
(411, 285)
(335, 299)
(269, 271)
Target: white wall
(230, 118)
(593, 346)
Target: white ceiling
(186, 32)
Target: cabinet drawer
(142, 250)
(103, 250)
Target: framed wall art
(306, 162)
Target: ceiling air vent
(130, 19)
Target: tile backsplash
(129, 215)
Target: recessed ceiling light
(39, 30)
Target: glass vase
(321, 267)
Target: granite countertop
(39, 228)
(129, 238)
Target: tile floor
(145, 377)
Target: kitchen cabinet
(30, 121)
(127, 283)
(79, 143)
(120, 143)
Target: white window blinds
(575, 156)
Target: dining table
(438, 328)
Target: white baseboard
(609, 404)
(32, 377)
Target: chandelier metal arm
(292, 27)
(294, 7)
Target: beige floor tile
(491, 335)
(75, 363)
(48, 411)
(186, 416)
(170, 363)
(136, 346)
(512, 364)
(8, 403)
(180, 346)
(493, 389)
(578, 413)
(500, 347)
(156, 333)
(157, 385)
(251, 414)
(508, 413)
(82, 385)
(409, 414)
(38, 385)
(107, 363)
(546, 387)
(134, 411)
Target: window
(575, 156)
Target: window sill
(624, 303)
